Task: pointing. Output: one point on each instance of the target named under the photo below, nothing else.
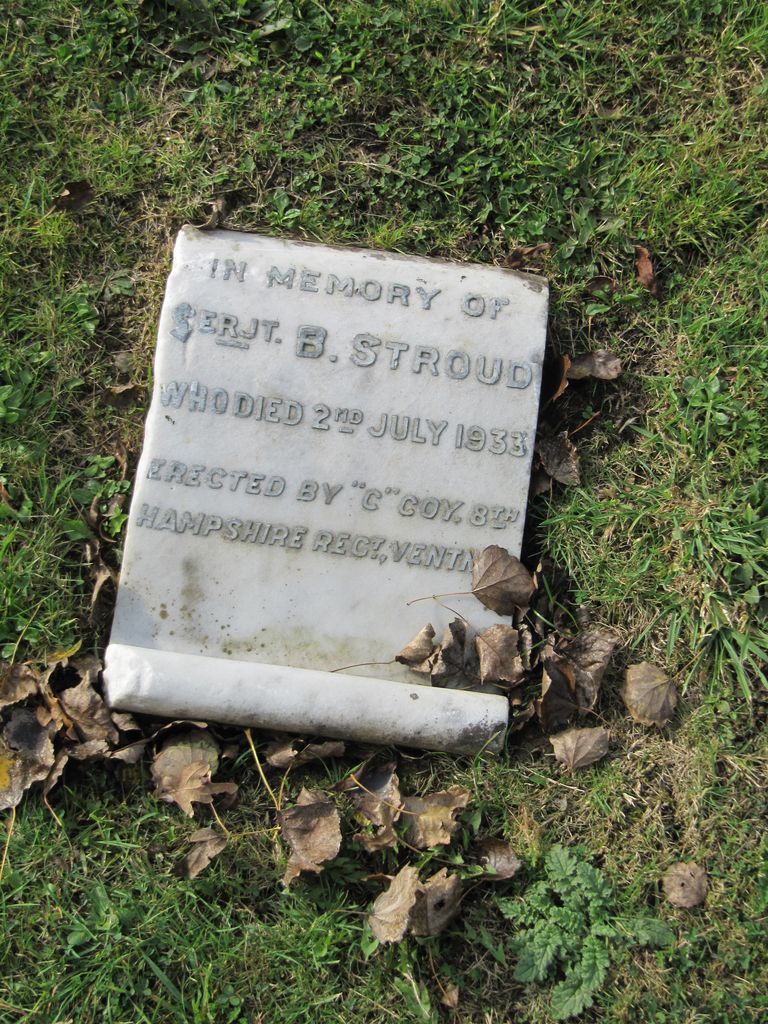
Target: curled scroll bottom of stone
(305, 701)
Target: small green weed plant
(571, 931)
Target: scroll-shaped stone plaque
(332, 434)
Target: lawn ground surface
(449, 129)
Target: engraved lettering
(254, 483)
(279, 535)
(153, 473)
(414, 556)
(308, 280)
(519, 379)
(147, 515)
(274, 276)
(310, 341)
(175, 473)
(198, 395)
(192, 476)
(172, 394)
(330, 491)
(238, 269)
(242, 404)
(307, 490)
(496, 305)
(398, 427)
(482, 374)
(396, 348)
(210, 524)
(296, 537)
(380, 429)
(347, 286)
(250, 334)
(181, 316)
(473, 305)
(451, 365)
(363, 345)
(167, 520)
(371, 500)
(228, 326)
(274, 487)
(190, 522)
(370, 290)
(436, 429)
(207, 323)
(398, 291)
(270, 326)
(434, 556)
(321, 540)
(220, 400)
(425, 355)
(427, 297)
(398, 550)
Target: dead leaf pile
(375, 794)
(650, 696)
(685, 885)
(206, 844)
(576, 748)
(63, 718)
(182, 771)
(312, 830)
(283, 753)
(421, 908)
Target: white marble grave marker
(332, 433)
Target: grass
(454, 129)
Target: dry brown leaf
(26, 756)
(437, 903)
(557, 703)
(182, 771)
(589, 654)
(557, 383)
(282, 753)
(560, 459)
(131, 754)
(216, 216)
(500, 660)
(376, 796)
(391, 910)
(685, 885)
(125, 722)
(74, 196)
(417, 654)
(500, 581)
(88, 749)
(53, 776)
(499, 857)
(449, 995)
(207, 844)
(17, 682)
(645, 272)
(89, 713)
(650, 696)
(602, 365)
(576, 748)
(313, 832)
(192, 784)
(541, 483)
(600, 285)
(450, 658)
(524, 253)
(431, 818)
